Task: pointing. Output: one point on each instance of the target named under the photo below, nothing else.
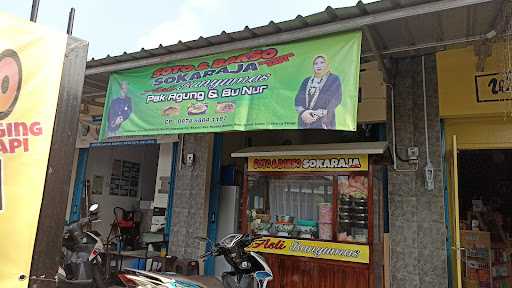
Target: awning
(316, 149)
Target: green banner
(310, 84)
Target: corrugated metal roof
(397, 37)
(328, 15)
(425, 28)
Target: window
(293, 206)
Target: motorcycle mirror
(94, 207)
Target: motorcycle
(82, 264)
(249, 268)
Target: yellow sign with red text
(320, 163)
(312, 249)
(31, 60)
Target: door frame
(470, 134)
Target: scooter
(81, 255)
(249, 268)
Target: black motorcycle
(249, 268)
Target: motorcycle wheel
(247, 282)
(229, 282)
(99, 277)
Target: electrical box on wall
(189, 160)
(413, 153)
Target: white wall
(164, 170)
(100, 163)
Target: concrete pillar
(191, 197)
(417, 225)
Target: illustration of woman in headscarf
(318, 97)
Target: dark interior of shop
(485, 202)
(486, 175)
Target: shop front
(129, 180)
(475, 111)
(317, 210)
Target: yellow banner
(31, 60)
(313, 249)
(321, 163)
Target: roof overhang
(391, 28)
(395, 12)
(316, 149)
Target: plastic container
(303, 222)
(361, 202)
(360, 210)
(360, 217)
(345, 209)
(344, 215)
(345, 226)
(360, 234)
(325, 213)
(285, 219)
(325, 231)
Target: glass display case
(319, 217)
(316, 206)
(352, 221)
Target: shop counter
(319, 218)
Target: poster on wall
(97, 185)
(31, 61)
(310, 84)
(125, 178)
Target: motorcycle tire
(229, 282)
(246, 281)
(99, 277)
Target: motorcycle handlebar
(248, 239)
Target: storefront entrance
(479, 193)
(485, 217)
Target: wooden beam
(94, 103)
(94, 95)
(100, 84)
(47, 248)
